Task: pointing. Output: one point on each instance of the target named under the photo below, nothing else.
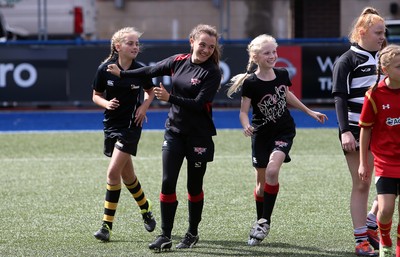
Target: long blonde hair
(118, 37)
(368, 17)
(253, 48)
(386, 56)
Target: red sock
(398, 241)
(384, 230)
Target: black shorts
(125, 140)
(194, 148)
(386, 185)
(263, 144)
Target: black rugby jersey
(353, 73)
(126, 91)
(193, 89)
(268, 100)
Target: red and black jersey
(126, 91)
(193, 89)
(381, 111)
(268, 100)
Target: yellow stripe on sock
(108, 218)
(110, 205)
(133, 185)
(137, 194)
(143, 201)
(113, 187)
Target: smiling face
(203, 47)
(129, 46)
(267, 56)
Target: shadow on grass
(235, 248)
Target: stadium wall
(61, 75)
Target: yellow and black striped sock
(136, 190)
(110, 203)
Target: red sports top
(381, 112)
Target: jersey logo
(366, 70)
(393, 121)
(385, 106)
(195, 81)
(165, 143)
(199, 150)
(133, 86)
(110, 83)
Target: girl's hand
(248, 130)
(161, 93)
(320, 117)
(113, 69)
(140, 116)
(112, 104)
(364, 173)
(348, 142)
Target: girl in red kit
(380, 131)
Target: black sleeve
(161, 68)
(341, 112)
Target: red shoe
(365, 249)
(373, 238)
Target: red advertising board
(289, 57)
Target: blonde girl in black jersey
(123, 119)
(266, 90)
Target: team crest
(195, 81)
(199, 150)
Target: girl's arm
(364, 171)
(140, 115)
(296, 103)
(98, 98)
(244, 116)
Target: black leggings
(172, 163)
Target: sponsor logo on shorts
(254, 160)
(199, 150)
(165, 143)
(119, 144)
(281, 143)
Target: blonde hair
(118, 37)
(386, 56)
(211, 31)
(369, 16)
(253, 49)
